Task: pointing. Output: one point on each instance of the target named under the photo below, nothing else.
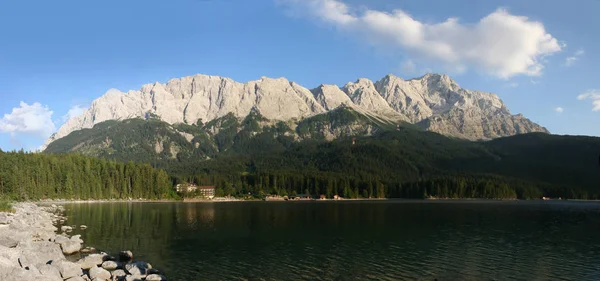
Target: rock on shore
(31, 249)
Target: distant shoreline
(197, 200)
(61, 201)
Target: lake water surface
(366, 240)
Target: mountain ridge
(434, 101)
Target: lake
(358, 240)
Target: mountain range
(409, 137)
(433, 102)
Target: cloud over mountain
(500, 44)
(74, 111)
(34, 120)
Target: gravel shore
(31, 249)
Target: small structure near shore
(186, 187)
(207, 191)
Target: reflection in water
(194, 216)
(392, 240)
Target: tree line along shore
(39, 176)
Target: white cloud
(559, 109)
(34, 119)
(75, 111)
(594, 96)
(500, 44)
(569, 61)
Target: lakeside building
(204, 191)
(186, 187)
(207, 191)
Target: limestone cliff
(435, 102)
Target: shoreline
(200, 200)
(48, 202)
(64, 201)
(32, 247)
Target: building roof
(206, 187)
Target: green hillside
(347, 153)
(152, 141)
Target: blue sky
(58, 56)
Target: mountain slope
(154, 140)
(434, 101)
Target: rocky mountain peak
(435, 80)
(330, 97)
(460, 112)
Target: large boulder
(38, 253)
(99, 273)
(119, 273)
(76, 278)
(110, 265)
(68, 269)
(8, 241)
(91, 261)
(138, 268)
(70, 247)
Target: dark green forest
(34, 176)
(407, 163)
